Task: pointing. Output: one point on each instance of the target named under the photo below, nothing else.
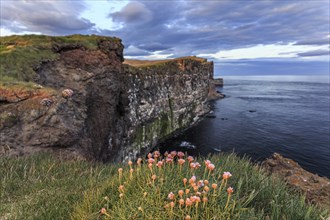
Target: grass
(48, 187)
(21, 55)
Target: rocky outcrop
(88, 100)
(217, 81)
(316, 188)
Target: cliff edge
(75, 93)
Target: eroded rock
(316, 188)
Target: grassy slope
(45, 187)
(19, 55)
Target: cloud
(314, 53)
(47, 17)
(314, 42)
(133, 12)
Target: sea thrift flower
(230, 190)
(121, 195)
(205, 200)
(180, 192)
(130, 163)
(172, 204)
(149, 155)
(140, 208)
(214, 185)
(159, 164)
(192, 179)
(151, 160)
(169, 160)
(180, 154)
(195, 188)
(226, 175)
(121, 188)
(206, 188)
(120, 170)
(188, 202)
(211, 166)
(171, 196)
(200, 183)
(156, 154)
(103, 211)
(198, 193)
(145, 194)
(139, 161)
(190, 159)
(166, 153)
(207, 162)
(185, 181)
(153, 177)
(187, 191)
(206, 182)
(173, 153)
(181, 202)
(188, 217)
(192, 165)
(181, 161)
(150, 166)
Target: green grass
(47, 187)
(21, 55)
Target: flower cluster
(195, 191)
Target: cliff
(75, 93)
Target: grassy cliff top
(46, 187)
(20, 55)
(143, 63)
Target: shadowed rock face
(316, 188)
(116, 111)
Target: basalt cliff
(77, 93)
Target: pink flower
(139, 161)
(171, 196)
(207, 162)
(169, 160)
(166, 153)
(211, 167)
(180, 154)
(103, 211)
(153, 177)
(188, 202)
(173, 153)
(180, 192)
(159, 164)
(190, 159)
(181, 161)
(230, 190)
(185, 181)
(149, 155)
(151, 160)
(156, 154)
(226, 175)
(130, 163)
(214, 185)
(192, 179)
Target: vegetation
(48, 187)
(21, 55)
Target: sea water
(262, 115)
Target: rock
(316, 188)
(218, 82)
(66, 93)
(116, 112)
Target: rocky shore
(316, 188)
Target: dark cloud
(314, 53)
(194, 27)
(48, 17)
(133, 12)
(153, 47)
(323, 41)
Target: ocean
(262, 115)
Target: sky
(260, 37)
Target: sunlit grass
(51, 187)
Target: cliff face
(116, 111)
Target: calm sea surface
(260, 116)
